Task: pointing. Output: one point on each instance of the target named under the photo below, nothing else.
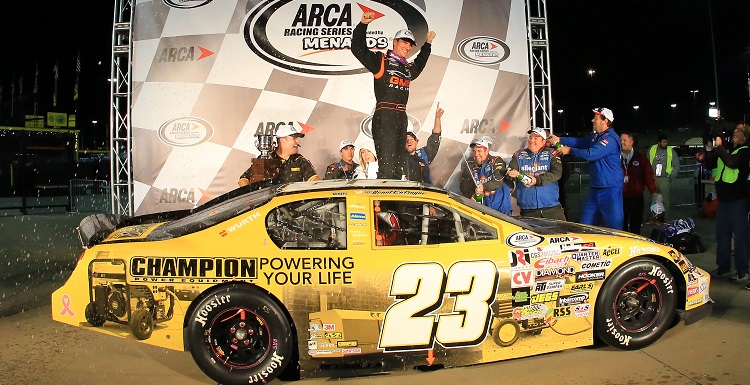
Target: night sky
(650, 54)
(645, 53)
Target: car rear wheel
(636, 305)
(238, 335)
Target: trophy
(264, 167)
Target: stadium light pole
(592, 97)
(673, 105)
(635, 108)
(562, 116)
(694, 92)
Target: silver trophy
(265, 145)
(264, 167)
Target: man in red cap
(392, 74)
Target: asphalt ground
(37, 252)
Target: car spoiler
(94, 228)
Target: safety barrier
(686, 188)
(89, 195)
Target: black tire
(238, 335)
(91, 317)
(636, 305)
(142, 324)
(506, 332)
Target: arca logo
(412, 125)
(315, 37)
(186, 4)
(185, 132)
(183, 54)
(483, 50)
(484, 126)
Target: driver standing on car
(392, 76)
(291, 166)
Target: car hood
(551, 226)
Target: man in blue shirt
(606, 178)
(539, 196)
(489, 177)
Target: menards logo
(239, 224)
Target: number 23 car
(315, 278)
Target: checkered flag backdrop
(209, 75)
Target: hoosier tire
(636, 305)
(238, 335)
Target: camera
(719, 130)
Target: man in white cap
(343, 169)
(539, 195)
(606, 177)
(488, 178)
(392, 74)
(290, 166)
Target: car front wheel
(636, 305)
(238, 335)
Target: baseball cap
(406, 35)
(413, 135)
(538, 131)
(345, 143)
(484, 141)
(288, 130)
(605, 112)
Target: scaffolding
(539, 79)
(120, 133)
(121, 181)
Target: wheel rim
(638, 304)
(239, 338)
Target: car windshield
(486, 210)
(538, 225)
(212, 213)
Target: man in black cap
(392, 74)
(290, 166)
(418, 160)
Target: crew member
(344, 168)
(289, 165)
(539, 196)
(418, 160)
(602, 151)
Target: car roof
(335, 184)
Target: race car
(329, 277)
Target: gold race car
(324, 277)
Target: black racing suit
(392, 77)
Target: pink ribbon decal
(66, 306)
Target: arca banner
(207, 76)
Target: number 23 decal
(419, 290)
